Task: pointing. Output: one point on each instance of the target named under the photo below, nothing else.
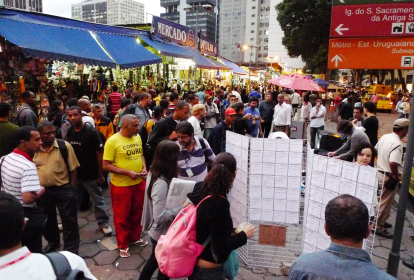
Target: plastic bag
(231, 266)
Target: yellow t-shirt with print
(124, 153)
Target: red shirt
(115, 100)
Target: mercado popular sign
(207, 46)
(173, 31)
(371, 53)
(391, 20)
(359, 2)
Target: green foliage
(306, 24)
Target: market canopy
(42, 36)
(55, 43)
(125, 50)
(205, 62)
(236, 69)
(167, 48)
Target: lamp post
(250, 62)
(196, 8)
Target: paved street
(103, 259)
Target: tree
(306, 25)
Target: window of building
(260, 32)
(253, 23)
(259, 55)
(253, 15)
(251, 39)
(252, 31)
(262, 25)
(254, 8)
(267, 32)
(268, 9)
(260, 41)
(266, 48)
(266, 24)
(266, 40)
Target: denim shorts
(207, 274)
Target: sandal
(124, 253)
(140, 242)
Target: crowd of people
(135, 143)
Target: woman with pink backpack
(156, 218)
(214, 221)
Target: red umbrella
(295, 81)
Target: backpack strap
(63, 151)
(62, 268)
(204, 147)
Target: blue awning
(126, 51)
(236, 69)
(50, 20)
(205, 62)
(55, 43)
(167, 48)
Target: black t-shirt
(371, 129)
(85, 143)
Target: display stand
(324, 184)
(267, 193)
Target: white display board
(326, 179)
(266, 191)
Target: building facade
(253, 23)
(113, 12)
(203, 19)
(29, 5)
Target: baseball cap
(400, 123)
(230, 111)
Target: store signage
(371, 53)
(391, 20)
(173, 31)
(207, 46)
(360, 2)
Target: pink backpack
(177, 250)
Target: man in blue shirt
(201, 95)
(256, 93)
(254, 114)
(347, 224)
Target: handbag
(391, 183)
(231, 266)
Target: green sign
(361, 2)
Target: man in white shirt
(390, 156)
(199, 112)
(16, 261)
(295, 101)
(282, 117)
(317, 120)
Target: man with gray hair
(347, 224)
(124, 158)
(140, 109)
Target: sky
(62, 8)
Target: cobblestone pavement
(106, 264)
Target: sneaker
(106, 230)
(385, 234)
(140, 242)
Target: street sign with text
(371, 53)
(360, 2)
(373, 20)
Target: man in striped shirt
(114, 102)
(19, 178)
(192, 159)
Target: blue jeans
(313, 132)
(207, 274)
(99, 205)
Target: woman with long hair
(156, 218)
(55, 116)
(214, 220)
(365, 154)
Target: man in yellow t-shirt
(123, 157)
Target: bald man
(124, 158)
(85, 106)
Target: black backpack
(62, 268)
(16, 117)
